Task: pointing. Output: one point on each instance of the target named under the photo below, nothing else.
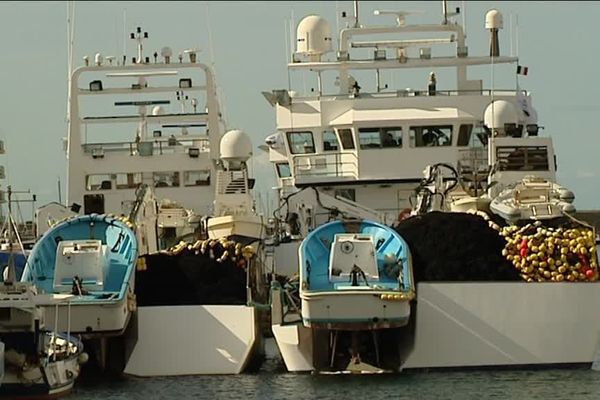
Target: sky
(246, 43)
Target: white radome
(313, 36)
(494, 20)
(157, 110)
(235, 146)
(498, 113)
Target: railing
(147, 148)
(418, 93)
(332, 165)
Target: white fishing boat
(144, 142)
(368, 141)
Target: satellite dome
(313, 36)
(493, 20)
(499, 113)
(157, 110)
(235, 146)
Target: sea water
(272, 382)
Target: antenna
(124, 36)
(70, 35)
(464, 18)
(511, 35)
(12, 274)
(59, 193)
(517, 36)
(356, 24)
(139, 37)
(445, 12)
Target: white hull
(353, 308)
(294, 342)
(93, 318)
(193, 340)
(493, 324)
(242, 225)
(487, 324)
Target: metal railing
(330, 165)
(158, 146)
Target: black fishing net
(455, 247)
(191, 277)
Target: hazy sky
(558, 41)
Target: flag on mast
(521, 70)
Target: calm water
(273, 383)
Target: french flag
(521, 70)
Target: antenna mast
(139, 37)
(445, 12)
(356, 24)
(12, 274)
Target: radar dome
(235, 146)
(493, 20)
(313, 36)
(498, 113)
(157, 110)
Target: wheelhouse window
(98, 182)
(166, 179)
(368, 138)
(464, 135)
(431, 136)
(346, 138)
(301, 142)
(375, 138)
(196, 178)
(128, 180)
(283, 170)
(330, 142)
(522, 158)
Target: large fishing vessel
(147, 142)
(356, 147)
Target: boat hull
(295, 344)
(241, 225)
(51, 381)
(504, 324)
(354, 310)
(93, 318)
(485, 324)
(194, 340)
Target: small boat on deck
(533, 198)
(93, 258)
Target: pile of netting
(455, 247)
(202, 272)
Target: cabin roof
(410, 114)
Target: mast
(445, 12)
(12, 274)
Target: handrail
(160, 144)
(417, 93)
(328, 168)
